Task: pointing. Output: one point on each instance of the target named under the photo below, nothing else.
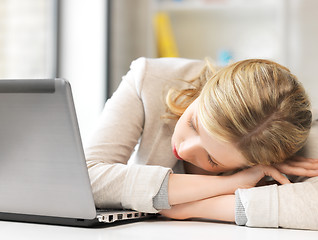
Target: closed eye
(191, 125)
(212, 163)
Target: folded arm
(287, 205)
(199, 196)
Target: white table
(151, 229)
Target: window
(28, 39)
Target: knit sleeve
(161, 200)
(260, 205)
(240, 216)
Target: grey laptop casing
(43, 173)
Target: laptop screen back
(42, 165)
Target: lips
(176, 153)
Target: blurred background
(92, 43)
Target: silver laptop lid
(42, 165)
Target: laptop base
(96, 222)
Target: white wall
(128, 36)
(82, 57)
(303, 45)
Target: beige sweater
(133, 115)
(135, 112)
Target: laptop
(43, 173)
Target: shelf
(218, 5)
(243, 28)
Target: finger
(297, 171)
(304, 159)
(310, 165)
(296, 164)
(277, 175)
(299, 166)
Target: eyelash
(191, 125)
(213, 164)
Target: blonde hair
(177, 100)
(256, 104)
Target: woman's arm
(212, 197)
(114, 183)
(288, 206)
(184, 188)
(217, 208)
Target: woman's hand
(249, 177)
(299, 166)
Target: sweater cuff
(161, 200)
(260, 205)
(141, 184)
(240, 215)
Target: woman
(252, 114)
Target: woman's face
(193, 144)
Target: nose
(190, 149)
